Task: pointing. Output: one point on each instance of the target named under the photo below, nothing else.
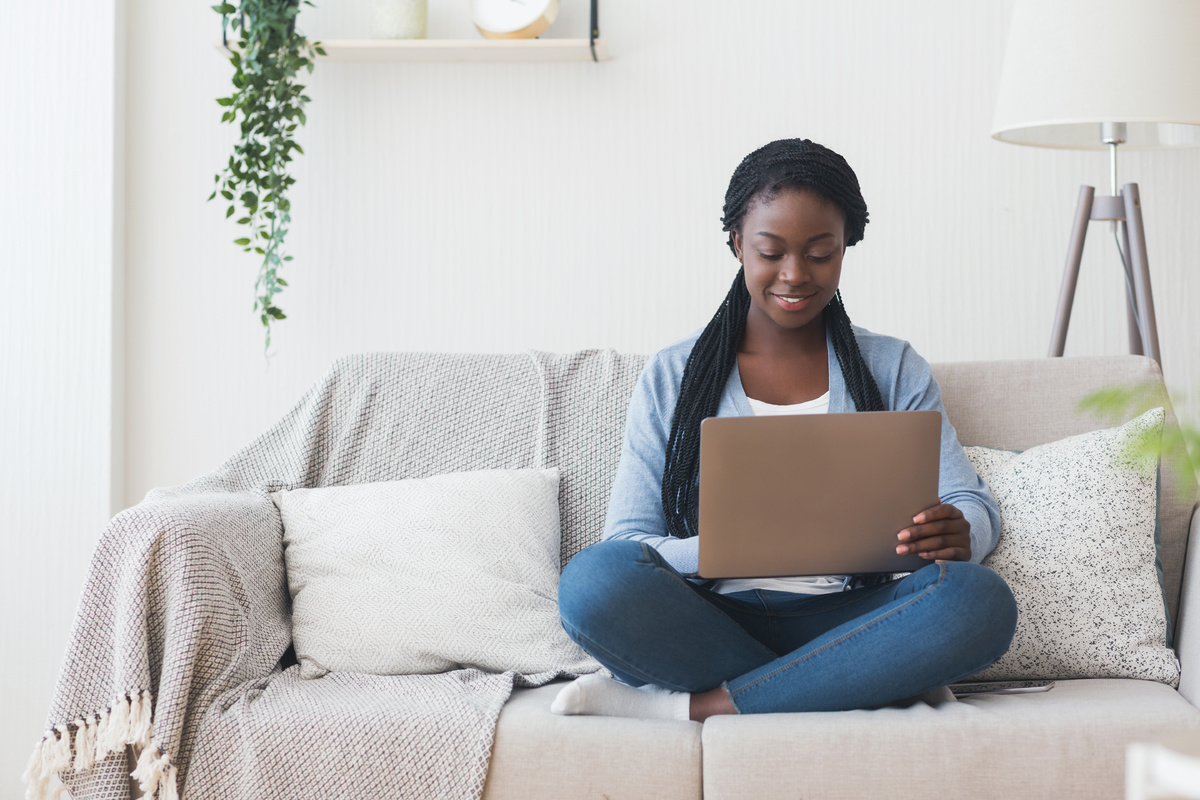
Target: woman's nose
(793, 270)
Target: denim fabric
(625, 604)
(905, 382)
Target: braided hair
(787, 164)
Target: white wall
(478, 207)
(60, 217)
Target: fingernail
(900, 550)
(903, 536)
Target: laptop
(814, 494)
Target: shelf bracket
(594, 30)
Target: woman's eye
(819, 259)
(771, 256)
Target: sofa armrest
(186, 597)
(1187, 631)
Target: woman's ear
(737, 244)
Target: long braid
(862, 387)
(708, 367)
(785, 164)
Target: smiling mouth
(793, 299)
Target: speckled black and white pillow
(1077, 547)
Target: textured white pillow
(1077, 547)
(428, 575)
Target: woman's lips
(794, 302)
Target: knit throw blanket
(185, 618)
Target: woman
(781, 342)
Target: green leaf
(243, 221)
(224, 101)
(242, 241)
(228, 195)
(276, 313)
(229, 213)
(211, 196)
(281, 281)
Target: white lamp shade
(1073, 64)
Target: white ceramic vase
(399, 19)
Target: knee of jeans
(585, 586)
(988, 595)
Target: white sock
(597, 695)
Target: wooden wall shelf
(456, 50)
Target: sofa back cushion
(390, 416)
(587, 395)
(1016, 405)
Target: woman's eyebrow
(780, 238)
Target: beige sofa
(1068, 742)
(188, 603)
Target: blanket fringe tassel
(128, 721)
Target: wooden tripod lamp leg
(1066, 295)
(1141, 270)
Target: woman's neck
(781, 366)
(764, 339)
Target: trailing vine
(266, 58)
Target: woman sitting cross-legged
(781, 342)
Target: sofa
(180, 667)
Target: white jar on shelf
(399, 19)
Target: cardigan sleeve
(635, 505)
(958, 482)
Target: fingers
(948, 554)
(934, 544)
(944, 526)
(942, 511)
(937, 549)
(947, 537)
(941, 533)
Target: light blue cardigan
(905, 382)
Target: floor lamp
(1103, 74)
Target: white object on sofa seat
(1077, 548)
(427, 575)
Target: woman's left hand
(939, 533)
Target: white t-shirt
(808, 584)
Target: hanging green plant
(266, 58)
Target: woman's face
(792, 247)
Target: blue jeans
(778, 651)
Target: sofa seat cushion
(539, 755)
(1067, 742)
